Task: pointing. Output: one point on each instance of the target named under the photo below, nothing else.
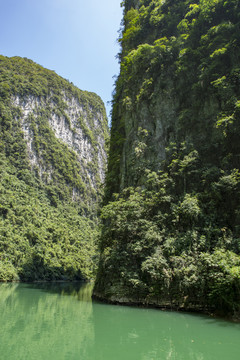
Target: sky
(75, 38)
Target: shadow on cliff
(35, 269)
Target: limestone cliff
(82, 130)
(171, 233)
(53, 158)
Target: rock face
(147, 132)
(171, 216)
(53, 151)
(71, 127)
(59, 123)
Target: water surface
(60, 322)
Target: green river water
(60, 322)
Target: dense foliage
(173, 237)
(45, 232)
(39, 241)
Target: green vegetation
(39, 240)
(48, 211)
(171, 233)
(160, 247)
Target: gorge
(168, 232)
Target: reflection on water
(59, 321)
(45, 321)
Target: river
(61, 322)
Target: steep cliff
(171, 231)
(53, 157)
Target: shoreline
(164, 306)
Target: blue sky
(75, 38)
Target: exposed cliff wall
(82, 130)
(173, 236)
(53, 152)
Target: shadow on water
(80, 288)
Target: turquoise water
(59, 321)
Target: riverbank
(167, 306)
